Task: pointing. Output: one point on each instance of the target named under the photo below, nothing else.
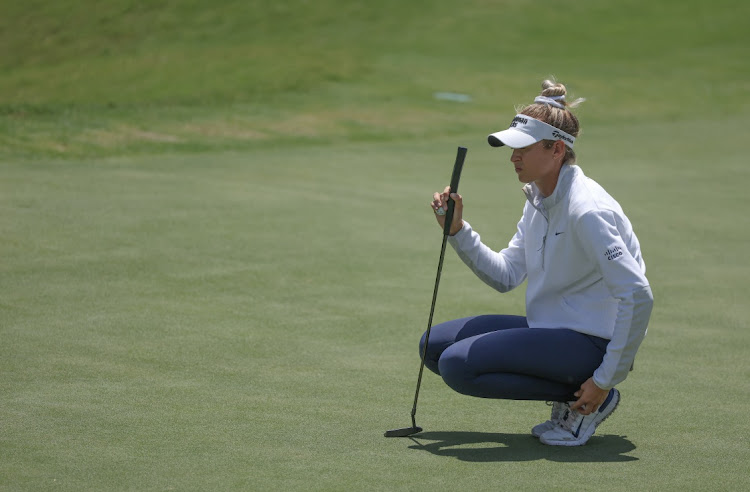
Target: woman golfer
(588, 301)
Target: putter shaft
(455, 177)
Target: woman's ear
(558, 149)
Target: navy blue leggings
(499, 356)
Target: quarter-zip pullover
(583, 263)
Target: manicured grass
(218, 255)
(249, 320)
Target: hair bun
(550, 88)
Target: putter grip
(454, 189)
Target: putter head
(406, 431)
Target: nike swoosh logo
(558, 233)
(575, 434)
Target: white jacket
(584, 266)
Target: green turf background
(218, 255)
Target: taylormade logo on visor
(525, 130)
(563, 136)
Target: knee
(431, 357)
(454, 369)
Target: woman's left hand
(590, 397)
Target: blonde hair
(560, 118)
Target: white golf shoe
(575, 429)
(558, 410)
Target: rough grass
(73, 75)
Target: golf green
(218, 254)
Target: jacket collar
(568, 172)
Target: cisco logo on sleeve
(613, 253)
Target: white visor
(525, 131)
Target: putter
(408, 431)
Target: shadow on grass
(490, 447)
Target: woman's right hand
(440, 203)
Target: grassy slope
(124, 76)
(226, 320)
